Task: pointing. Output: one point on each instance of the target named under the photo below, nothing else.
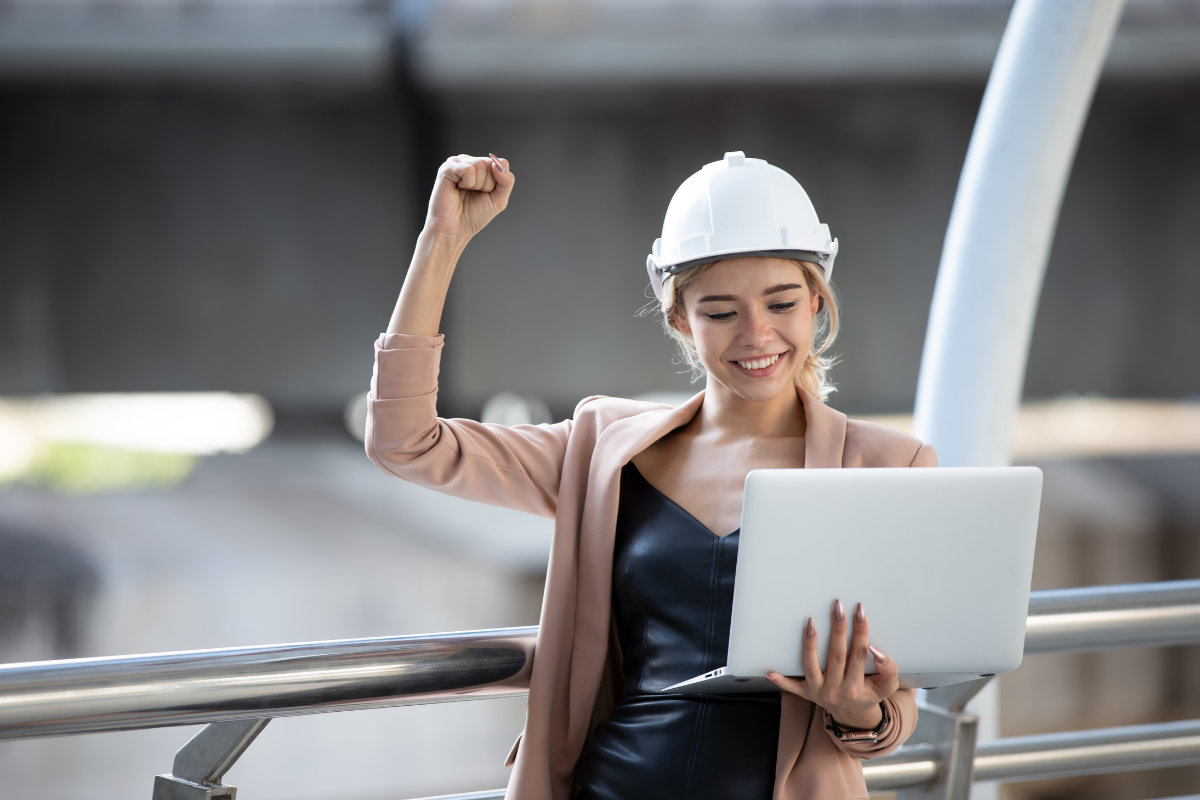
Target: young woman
(646, 500)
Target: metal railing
(239, 689)
(92, 695)
(1052, 755)
(1108, 617)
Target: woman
(644, 498)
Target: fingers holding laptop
(844, 689)
(886, 679)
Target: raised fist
(469, 192)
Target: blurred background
(206, 211)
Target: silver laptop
(941, 560)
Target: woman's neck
(725, 414)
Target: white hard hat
(738, 207)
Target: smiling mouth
(759, 363)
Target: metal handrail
(915, 765)
(91, 695)
(1022, 758)
(1060, 755)
(254, 684)
(1053, 755)
(1107, 617)
(1125, 595)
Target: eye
(788, 306)
(720, 316)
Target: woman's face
(751, 320)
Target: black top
(673, 599)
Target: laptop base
(720, 681)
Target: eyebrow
(729, 298)
(783, 287)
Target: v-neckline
(689, 514)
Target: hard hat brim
(657, 273)
(825, 260)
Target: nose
(756, 331)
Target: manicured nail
(839, 613)
(860, 616)
(880, 658)
(810, 630)
(499, 163)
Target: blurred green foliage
(82, 468)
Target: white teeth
(758, 363)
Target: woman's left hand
(844, 690)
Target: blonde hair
(813, 375)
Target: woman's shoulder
(869, 444)
(613, 408)
(596, 414)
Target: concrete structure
(169, 239)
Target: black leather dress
(673, 597)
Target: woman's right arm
(468, 194)
(516, 467)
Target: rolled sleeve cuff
(405, 366)
(891, 737)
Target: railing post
(952, 735)
(952, 732)
(203, 761)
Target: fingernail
(839, 613)
(880, 658)
(810, 630)
(860, 616)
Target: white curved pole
(1002, 226)
(998, 241)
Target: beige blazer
(571, 471)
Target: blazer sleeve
(902, 719)
(518, 467)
